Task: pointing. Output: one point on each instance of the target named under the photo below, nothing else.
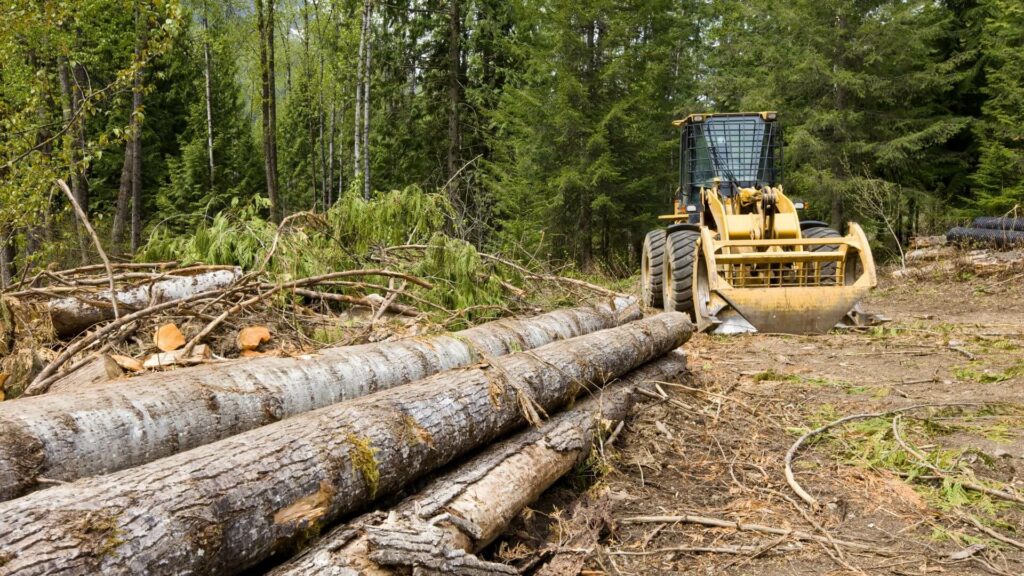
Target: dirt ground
(717, 451)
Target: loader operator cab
(737, 150)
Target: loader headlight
(799, 205)
(691, 209)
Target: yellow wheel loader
(735, 255)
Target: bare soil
(718, 451)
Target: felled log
(223, 507)
(100, 370)
(463, 511)
(67, 317)
(79, 433)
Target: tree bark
(80, 434)
(136, 133)
(80, 185)
(265, 24)
(70, 102)
(454, 99)
(367, 76)
(67, 317)
(100, 370)
(483, 495)
(224, 507)
(124, 193)
(6, 259)
(207, 71)
(357, 136)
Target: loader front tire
(652, 269)
(828, 271)
(680, 260)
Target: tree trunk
(136, 133)
(485, 494)
(454, 98)
(226, 506)
(70, 99)
(209, 95)
(265, 23)
(67, 317)
(329, 185)
(80, 185)
(367, 76)
(6, 259)
(124, 193)
(94, 432)
(357, 136)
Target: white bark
(70, 316)
(483, 495)
(79, 433)
(226, 506)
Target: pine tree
(1000, 175)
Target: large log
(223, 507)
(79, 433)
(463, 511)
(67, 317)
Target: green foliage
(1000, 174)
(343, 239)
(904, 115)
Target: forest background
(542, 126)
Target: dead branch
(95, 240)
(791, 478)
(719, 523)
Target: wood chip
(128, 363)
(251, 337)
(169, 338)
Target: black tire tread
(654, 248)
(680, 252)
(823, 232)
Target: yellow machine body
(754, 269)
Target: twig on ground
(791, 478)
(719, 523)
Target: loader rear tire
(652, 269)
(828, 271)
(680, 259)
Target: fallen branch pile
(225, 506)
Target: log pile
(227, 505)
(86, 431)
(463, 511)
(932, 256)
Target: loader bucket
(791, 286)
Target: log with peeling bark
(67, 317)
(224, 507)
(461, 512)
(80, 433)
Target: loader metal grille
(742, 275)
